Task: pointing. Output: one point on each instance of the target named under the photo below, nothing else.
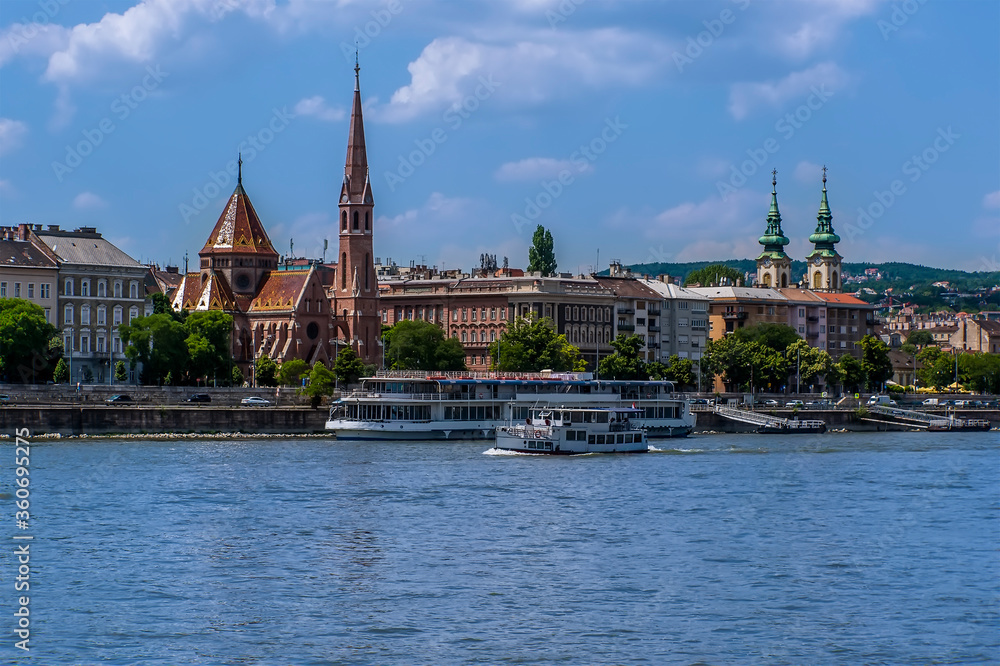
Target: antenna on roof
(185, 263)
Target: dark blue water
(840, 548)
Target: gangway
(767, 423)
(929, 421)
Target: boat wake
(673, 451)
(503, 452)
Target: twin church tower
(774, 267)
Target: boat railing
(405, 396)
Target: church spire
(773, 240)
(824, 237)
(356, 187)
(239, 176)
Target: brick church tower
(356, 290)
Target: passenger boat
(394, 406)
(563, 431)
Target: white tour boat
(414, 406)
(563, 431)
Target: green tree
(121, 374)
(291, 372)
(530, 344)
(812, 363)
(770, 367)
(625, 362)
(714, 274)
(321, 382)
(61, 374)
(920, 338)
(678, 370)
(541, 254)
(776, 336)
(348, 368)
(265, 372)
(926, 358)
(729, 358)
(852, 375)
(26, 354)
(161, 304)
(980, 372)
(158, 342)
(209, 335)
(237, 377)
(875, 361)
(421, 345)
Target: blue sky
(637, 131)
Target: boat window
(602, 417)
(548, 446)
(531, 445)
(621, 439)
(591, 439)
(600, 439)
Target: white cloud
(807, 26)
(808, 173)
(317, 107)
(31, 39)
(992, 200)
(537, 168)
(523, 68)
(822, 80)
(89, 201)
(12, 133)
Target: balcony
(625, 311)
(654, 328)
(738, 316)
(813, 318)
(626, 327)
(654, 312)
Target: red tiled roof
(238, 229)
(213, 294)
(845, 299)
(281, 291)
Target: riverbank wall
(835, 419)
(103, 420)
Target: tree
(776, 336)
(730, 358)
(421, 345)
(265, 371)
(26, 354)
(980, 372)
(321, 382)
(810, 362)
(161, 304)
(121, 374)
(926, 358)
(770, 367)
(237, 377)
(875, 361)
(920, 338)
(852, 375)
(678, 370)
(291, 372)
(348, 368)
(541, 254)
(625, 362)
(714, 274)
(61, 374)
(209, 333)
(158, 342)
(531, 344)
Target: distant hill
(910, 283)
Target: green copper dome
(824, 237)
(773, 240)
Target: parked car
(794, 403)
(255, 401)
(770, 403)
(200, 397)
(699, 401)
(119, 399)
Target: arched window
(355, 220)
(576, 314)
(767, 279)
(85, 287)
(118, 289)
(68, 287)
(465, 336)
(817, 280)
(833, 281)
(592, 315)
(133, 290)
(102, 289)
(784, 280)
(343, 221)
(367, 223)
(343, 270)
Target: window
(68, 314)
(102, 315)
(102, 289)
(802, 312)
(68, 342)
(640, 321)
(682, 305)
(100, 344)
(31, 290)
(682, 339)
(3, 290)
(133, 290)
(493, 336)
(118, 289)
(68, 287)
(473, 314)
(465, 336)
(465, 314)
(45, 290)
(454, 315)
(85, 344)
(493, 314)
(48, 315)
(133, 313)
(831, 329)
(682, 321)
(84, 291)
(356, 221)
(343, 221)
(482, 314)
(116, 345)
(85, 315)
(802, 329)
(117, 316)
(17, 290)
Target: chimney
(24, 231)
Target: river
(724, 549)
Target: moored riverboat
(420, 407)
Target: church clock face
(242, 281)
(767, 263)
(817, 261)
